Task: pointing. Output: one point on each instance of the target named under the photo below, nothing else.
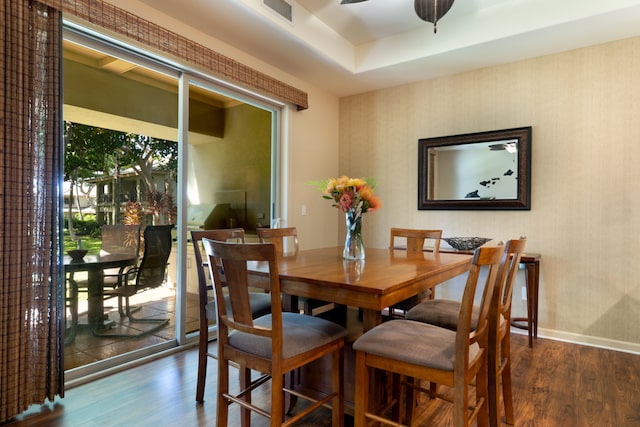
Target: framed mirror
(476, 171)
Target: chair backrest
(120, 239)
(234, 258)
(509, 269)
(284, 239)
(222, 235)
(416, 238)
(466, 335)
(151, 272)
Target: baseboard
(609, 344)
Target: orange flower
(350, 194)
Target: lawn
(92, 244)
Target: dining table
(384, 278)
(95, 265)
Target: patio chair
(149, 274)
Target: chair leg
(494, 384)
(203, 347)
(482, 389)
(223, 388)
(245, 383)
(362, 390)
(277, 400)
(507, 395)
(337, 405)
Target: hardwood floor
(555, 384)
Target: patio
(87, 348)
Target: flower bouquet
(354, 197)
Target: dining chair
(274, 345)
(414, 242)
(420, 351)
(444, 313)
(149, 274)
(119, 239)
(260, 302)
(285, 241)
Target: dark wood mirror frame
(521, 202)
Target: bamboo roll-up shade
(31, 282)
(127, 24)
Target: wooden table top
(384, 278)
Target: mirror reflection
(482, 171)
(487, 170)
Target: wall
(583, 106)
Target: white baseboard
(609, 344)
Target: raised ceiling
(354, 48)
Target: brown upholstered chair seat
(413, 342)
(300, 333)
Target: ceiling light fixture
(427, 10)
(432, 10)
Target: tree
(93, 151)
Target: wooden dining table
(385, 277)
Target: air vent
(281, 7)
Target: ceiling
(354, 48)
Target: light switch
(303, 210)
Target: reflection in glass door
(229, 172)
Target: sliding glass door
(153, 143)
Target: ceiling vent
(281, 7)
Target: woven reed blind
(119, 21)
(31, 300)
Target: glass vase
(353, 247)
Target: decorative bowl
(77, 254)
(465, 243)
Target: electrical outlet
(524, 293)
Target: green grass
(92, 244)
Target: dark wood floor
(555, 384)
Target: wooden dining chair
(444, 313)
(260, 301)
(286, 242)
(274, 344)
(421, 351)
(414, 243)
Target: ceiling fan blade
(351, 1)
(432, 10)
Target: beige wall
(584, 107)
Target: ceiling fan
(427, 10)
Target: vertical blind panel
(31, 347)
(127, 24)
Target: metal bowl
(465, 243)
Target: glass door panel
(121, 119)
(229, 171)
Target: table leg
(95, 312)
(532, 278)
